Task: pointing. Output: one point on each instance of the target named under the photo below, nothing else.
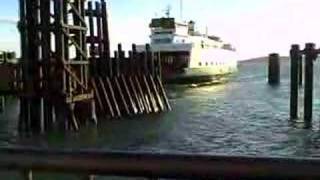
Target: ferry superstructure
(187, 55)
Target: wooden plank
(106, 96)
(78, 14)
(73, 118)
(163, 93)
(97, 95)
(136, 95)
(143, 97)
(150, 95)
(74, 28)
(78, 98)
(75, 77)
(73, 42)
(156, 93)
(124, 102)
(113, 97)
(129, 96)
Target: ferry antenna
(181, 9)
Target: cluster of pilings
(123, 85)
(131, 85)
(63, 83)
(309, 54)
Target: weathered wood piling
(300, 70)
(274, 69)
(295, 56)
(310, 54)
(55, 80)
(67, 77)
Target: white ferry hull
(199, 75)
(203, 65)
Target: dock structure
(309, 54)
(66, 77)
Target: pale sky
(255, 27)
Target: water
(243, 117)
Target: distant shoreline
(282, 58)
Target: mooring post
(300, 70)
(274, 69)
(116, 64)
(2, 104)
(295, 58)
(146, 61)
(150, 60)
(106, 39)
(123, 61)
(310, 56)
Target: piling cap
(295, 47)
(310, 45)
(119, 47)
(274, 55)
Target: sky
(255, 27)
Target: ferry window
(202, 44)
(162, 32)
(160, 41)
(206, 63)
(200, 64)
(211, 63)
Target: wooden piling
(274, 69)
(149, 61)
(132, 86)
(106, 38)
(120, 92)
(300, 71)
(295, 56)
(2, 104)
(310, 56)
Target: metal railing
(156, 165)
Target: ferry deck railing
(153, 166)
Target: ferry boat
(188, 56)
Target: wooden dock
(66, 76)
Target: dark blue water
(242, 117)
